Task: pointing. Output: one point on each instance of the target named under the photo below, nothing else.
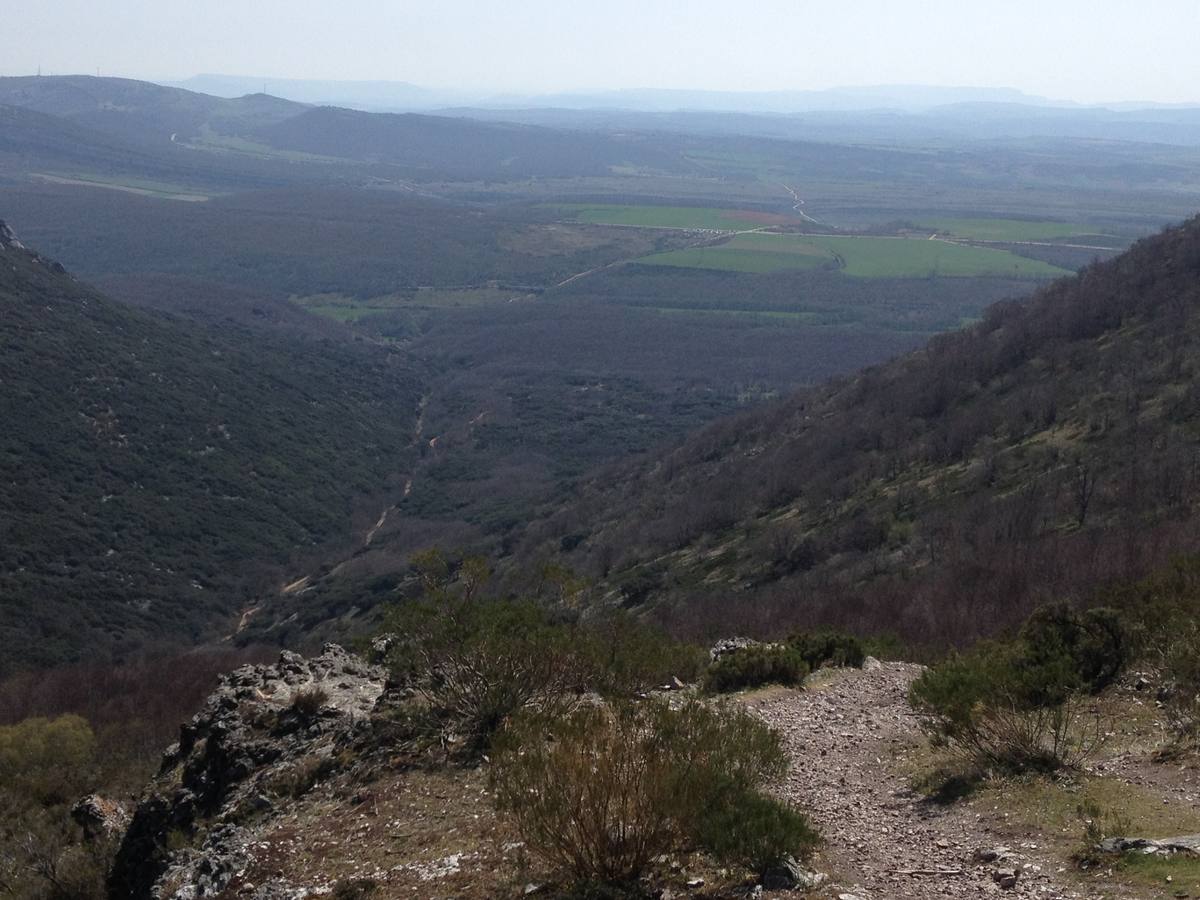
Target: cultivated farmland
(697, 217)
(862, 257)
(1013, 230)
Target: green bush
(46, 761)
(45, 765)
(1181, 671)
(620, 656)
(476, 662)
(828, 648)
(1093, 640)
(601, 792)
(1016, 705)
(354, 889)
(755, 666)
(755, 831)
(1004, 710)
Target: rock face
(100, 817)
(725, 646)
(262, 732)
(1187, 843)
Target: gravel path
(883, 841)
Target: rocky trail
(849, 735)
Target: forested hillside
(1036, 455)
(153, 473)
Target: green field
(1008, 229)
(733, 258)
(671, 216)
(862, 257)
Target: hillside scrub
(602, 792)
(1159, 616)
(1018, 706)
(45, 764)
(476, 661)
(828, 648)
(1045, 451)
(1181, 671)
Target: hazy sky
(1087, 50)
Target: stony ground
(849, 735)
(856, 746)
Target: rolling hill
(162, 471)
(1036, 455)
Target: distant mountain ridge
(258, 140)
(403, 95)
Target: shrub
(354, 889)
(601, 792)
(620, 656)
(755, 831)
(1003, 710)
(755, 666)
(1094, 641)
(45, 764)
(1096, 824)
(308, 702)
(828, 648)
(1181, 670)
(300, 778)
(46, 761)
(475, 663)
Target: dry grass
(426, 834)
(1157, 800)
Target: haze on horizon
(1089, 52)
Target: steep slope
(152, 470)
(1035, 455)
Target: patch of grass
(860, 257)
(141, 187)
(1008, 229)
(345, 308)
(1051, 806)
(1153, 870)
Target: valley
(863, 441)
